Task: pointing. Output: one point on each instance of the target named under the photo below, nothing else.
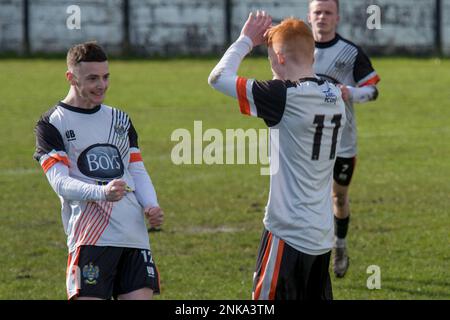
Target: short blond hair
(296, 39)
(335, 1)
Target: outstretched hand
(256, 27)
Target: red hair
(295, 37)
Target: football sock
(341, 227)
(340, 243)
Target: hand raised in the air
(256, 27)
(115, 190)
(154, 215)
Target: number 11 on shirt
(319, 120)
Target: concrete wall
(407, 25)
(10, 25)
(99, 20)
(177, 26)
(171, 27)
(446, 27)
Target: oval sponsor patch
(101, 161)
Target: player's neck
(324, 37)
(74, 100)
(298, 72)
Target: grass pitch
(400, 195)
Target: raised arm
(224, 75)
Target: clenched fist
(154, 215)
(115, 190)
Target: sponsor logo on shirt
(102, 162)
(330, 97)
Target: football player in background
(305, 115)
(90, 155)
(345, 64)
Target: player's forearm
(363, 94)
(223, 76)
(144, 190)
(73, 189)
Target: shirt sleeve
(70, 188)
(363, 94)
(224, 75)
(144, 189)
(363, 72)
(135, 152)
(50, 147)
(263, 99)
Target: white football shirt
(97, 145)
(306, 118)
(342, 62)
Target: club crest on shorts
(90, 273)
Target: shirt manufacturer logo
(340, 65)
(70, 135)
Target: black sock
(341, 227)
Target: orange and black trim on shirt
(52, 160)
(241, 89)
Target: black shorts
(283, 273)
(106, 272)
(343, 170)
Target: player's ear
(70, 78)
(281, 58)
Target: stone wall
(198, 27)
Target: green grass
(400, 195)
